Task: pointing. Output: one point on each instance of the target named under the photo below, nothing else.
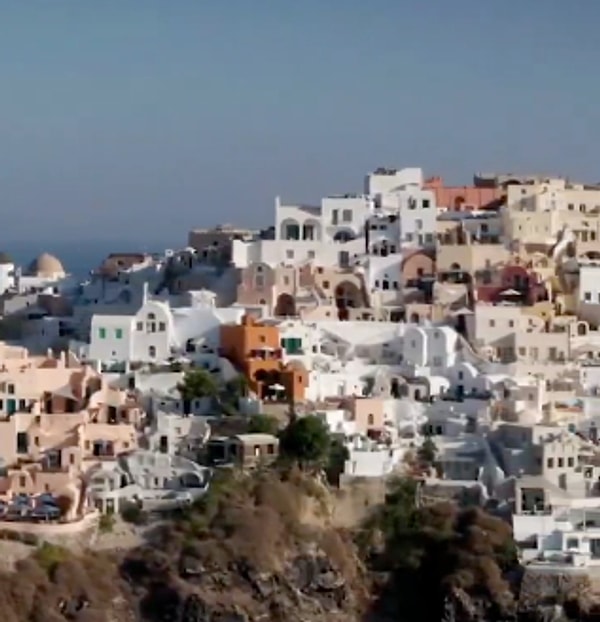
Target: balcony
(455, 396)
(266, 354)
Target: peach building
(368, 414)
(255, 349)
(307, 291)
(58, 418)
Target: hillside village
(414, 314)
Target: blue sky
(131, 120)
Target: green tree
(427, 452)
(229, 397)
(306, 440)
(237, 386)
(197, 383)
(438, 550)
(336, 461)
(263, 424)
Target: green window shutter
(102, 333)
(119, 333)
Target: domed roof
(5, 258)
(45, 265)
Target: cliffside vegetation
(263, 546)
(436, 554)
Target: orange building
(255, 349)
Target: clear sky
(134, 119)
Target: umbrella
(510, 292)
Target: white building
(401, 191)
(158, 331)
(7, 273)
(364, 232)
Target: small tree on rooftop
(427, 452)
(197, 383)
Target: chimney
(145, 293)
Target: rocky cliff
(264, 548)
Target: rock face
(308, 586)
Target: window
(571, 462)
(334, 217)
(140, 326)
(511, 323)
(550, 463)
(347, 215)
(325, 285)
(262, 339)
(582, 207)
(409, 237)
(102, 333)
(22, 443)
(22, 481)
(118, 333)
(492, 323)
(259, 280)
(426, 203)
(570, 207)
(560, 463)
(419, 224)
(10, 389)
(572, 543)
(151, 351)
(289, 254)
(286, 280)
(311, 254)
(588, 296)
(370, 419)
(162, 327)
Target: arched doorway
(347, 296)
(414, 318)
(286, 305)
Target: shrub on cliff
(306, 441)
(438, 550)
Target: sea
(79, 257)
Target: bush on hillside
(437, 550)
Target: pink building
(464, 198)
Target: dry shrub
(259, 538)
(211, 552)
(282, 499)
(339, 548)
(94, 577)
